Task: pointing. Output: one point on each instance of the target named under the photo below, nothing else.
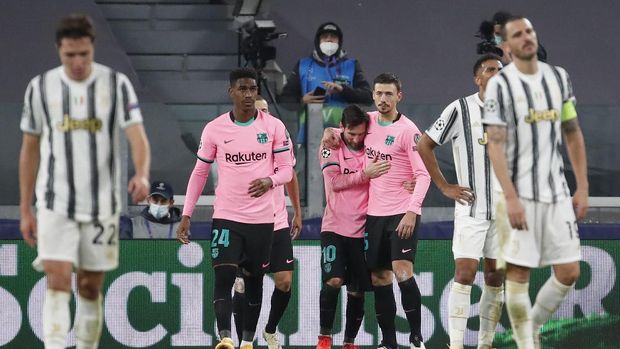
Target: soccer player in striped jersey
(474, 227)
(281, 260)
(347, 175)
(71, 121)
(529, 105)
(393, 211)
(248, 145)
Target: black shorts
(343, 257)
(233, 242)
(281, 251)
(384, 245)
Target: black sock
(385, 307)
(253, 303)
(238, 305)
(222, 301)
(279, 302)
(412, 305)
(355, 314)
(328, 301)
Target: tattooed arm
(576, 149)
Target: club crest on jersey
(262, 138)
(389, 140)
(215, 252)
(325, 153)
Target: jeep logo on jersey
(244, 158)
(389, 140)
(544, 115)
(68, 124)
(262, 138)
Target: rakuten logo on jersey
(244, 158)
(371, 153)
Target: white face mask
(328, 48)
(158, 211)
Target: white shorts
(88, 245)
(551, 239)
(474, 238)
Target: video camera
(254, 46)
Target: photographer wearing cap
(160, 218)
(327, 76)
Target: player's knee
(568, 276)
(494, 278)
(335, 282)
(284, 285)
(403, 270)
(224, 279)
(381, 278)
(464, 276)
(239, 285)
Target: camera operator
(493, 38)
(327, 76)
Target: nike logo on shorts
(228, 141)
(289, 261)
(405, 250)
(265, 265)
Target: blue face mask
(498, 40)
(158, 211)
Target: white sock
(519, 308)
(458, 313)
(56, 319)
(548, 300)
(88, 323)
(491, 303)
(246, 343)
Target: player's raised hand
(260, 186)
(28, 227)
(296, 225)
(377, 168)
(580, 204)
(330, 139)
(516, 213)
(183, 230)
(406, 225)
(462, 195)
(138, 187)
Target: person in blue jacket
(339, 79)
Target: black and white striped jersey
(461, 123)
(532, 107)
(78, 122)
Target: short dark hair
(242, 73)
(75, 26)
(388, 78)
(501, 17)
(353, 116)
(484, 58)
(512, 18)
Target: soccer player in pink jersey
(247, 144)
(281, 260)
(393, 211)
(346, 174)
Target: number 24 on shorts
(222, 239)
